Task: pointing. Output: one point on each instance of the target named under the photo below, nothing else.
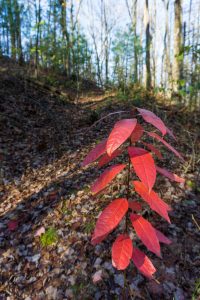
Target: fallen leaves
(13, 225)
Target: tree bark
(11, 29)
(18, 31)
(177, 64)
(148, 45)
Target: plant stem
(126, 218)
(128, 189)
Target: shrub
(123, 137)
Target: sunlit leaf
(121, 252)
(151, 118)
(153, 200)
(109, 219)
(143, 165)
(120, 133)
(146, 232)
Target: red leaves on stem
(109, 219)
(153, 200)
(106, 177)
(120, 133)
(146, 232)
(122, 250)
(162, 238)
(151, 118)
(143, 263)
(157, 137)
(95, 153)
(134, 205)
(106, 158)
(145, 169)
(153, 149)
(143, 165)
(137, 133)
(171, 176)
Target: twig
(98, 121)
(193, 218)
(114, 113)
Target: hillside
(44, 137)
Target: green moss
(49, 238)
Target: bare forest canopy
(151, 43)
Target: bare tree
(148, 45)
(133, 16)
(177, 64)
(166, 63)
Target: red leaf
(154, 150)
(109, 219)
(95, 153)
(12, 225)
(146, 232)
(162, 238)
(137, 133)
(122, 250)
(120, 133)
(106, 177)
(135, 205)
(143, 263)
(153, 200)
(170, 175)
(156, 136)
(53, 195)
(99, 239)
(106, 159)
(143, 165)
(151, 118)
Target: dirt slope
(43, 141)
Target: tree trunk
(18, 31)
(11, 29)
(148, 45)
(66, 38)
(177, 64)
(106, 43)
(166, 55)
(38, 20)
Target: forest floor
(44, 189)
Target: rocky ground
(47, 213)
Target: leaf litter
(43, 186)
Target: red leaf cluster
(123, 249)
